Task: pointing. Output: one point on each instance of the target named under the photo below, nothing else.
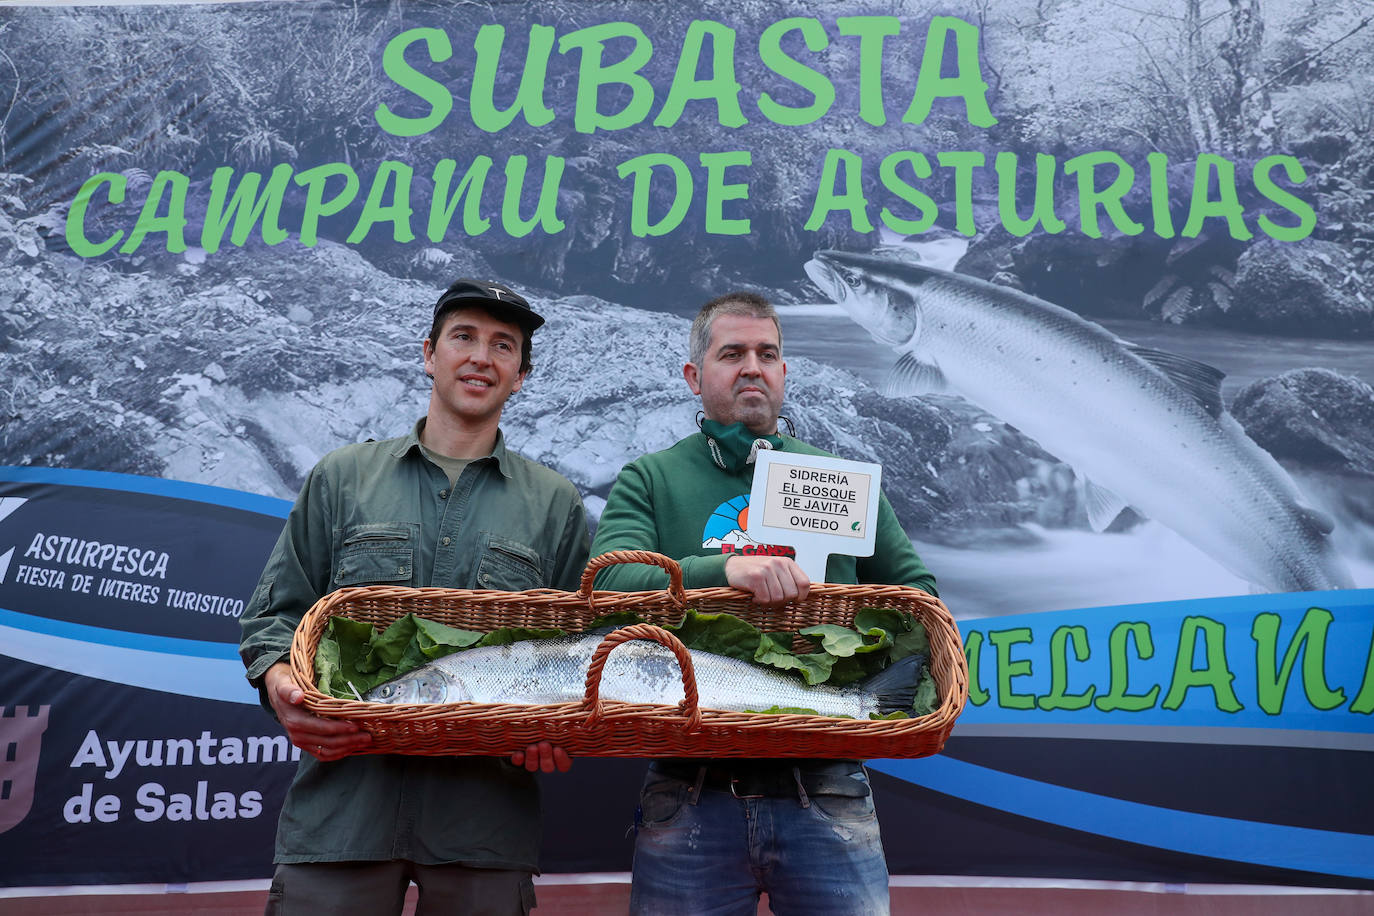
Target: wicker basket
(596, 728)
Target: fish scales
(545, 671)
(1097, 403)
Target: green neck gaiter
(733, 447)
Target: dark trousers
(379, 889)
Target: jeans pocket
(845, 798)
(844, 807)
(661, 802)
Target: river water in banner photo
(1037, 569)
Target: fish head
(423, 685)
(880, 292)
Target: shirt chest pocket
(508, 565)
(377, 552)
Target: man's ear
(519, 382)
(428, 350)
(692, 375)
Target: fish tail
(894, 688)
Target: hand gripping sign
(815, 504)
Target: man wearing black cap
(445, 505)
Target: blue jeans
(702, 851)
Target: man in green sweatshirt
(714, 834)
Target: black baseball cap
(496, 298)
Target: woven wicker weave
(597, 728)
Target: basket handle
(688, 707)
(615, 557)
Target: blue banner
(1179, 726)
(139, 751)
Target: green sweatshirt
(681, 503)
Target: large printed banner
(1089, 282)
(138, 751)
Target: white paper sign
(816, 505)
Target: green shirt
(379, 513)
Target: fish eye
(852, 280)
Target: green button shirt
(379, 513)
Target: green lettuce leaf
(387, 649)
(851, 668)
(615, 619)
(507, 635)
(327, 672)
(907, 633)
(883, 618)
(723, 634)
(857, 655)
(341, 656)
(776, 649)
(927, 697)
(435, 640)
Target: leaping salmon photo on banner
(1093, 284)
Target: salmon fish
(1144, 428)
(555, 671)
